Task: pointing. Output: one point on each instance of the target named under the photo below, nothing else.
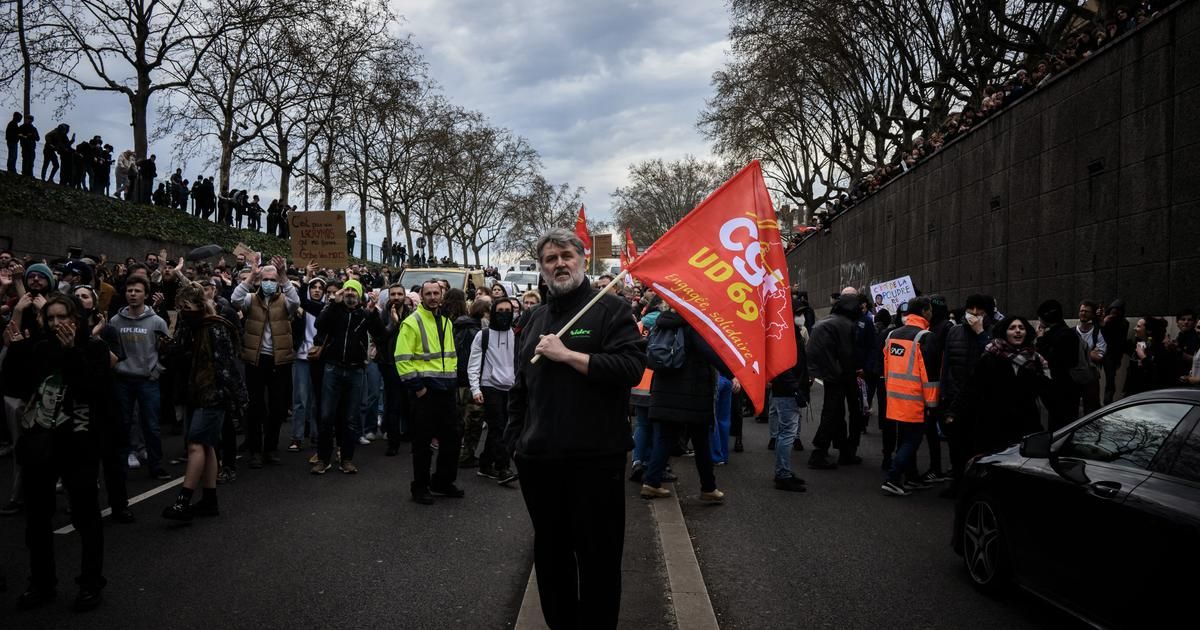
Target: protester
(830, 355)
(142, 334)
(790, 394)
(566, 425)
(912, 364)
(1060, 346)
(1094, 347)
(467, 326)
(491, 370)
(965, 344)
(205, 343)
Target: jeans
(667, 438)
(341, 401)
(723, 413)
(145, 393)
(304, 411)
(909, 435)
(369, 411)
(645, 434)
(786, 413)
(772, 419)
(270, 389)
(577, 507)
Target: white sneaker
(364, 441)
(134, 462)
(371, 436)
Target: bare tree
(660, 193)
(540, 207)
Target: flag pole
(605, 290)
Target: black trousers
(27, 157)
(434, 415)
(578, 511)
(45, 457)
(933, 419)
(270, 390)
(495, 415)
(840, 399)
(12, 157)
(395, 404)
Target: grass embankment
(34, 199)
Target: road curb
(689, 595)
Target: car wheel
(984, 552)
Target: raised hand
(66, 334)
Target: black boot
(820, 461)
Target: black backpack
(666, 349)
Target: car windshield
(416, 277)
(524, 280)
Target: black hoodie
(556, 412)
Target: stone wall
(50, 240)
(1087, 188)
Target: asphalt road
(841, 555)
(291, 550)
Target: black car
(1100, 518)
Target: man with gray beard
(569, 430)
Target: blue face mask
(269, 287)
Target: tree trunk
(327, 183)
(285, 171)
(226, 164)
(139, 103)
(477, 255)
(362, 221)
(464, 250)
(26, 62)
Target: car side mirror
(1037, 445)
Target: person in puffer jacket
(831, 358)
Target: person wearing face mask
(490, 372)
(204, 343)
(830, 354)
(347, 327)
(268, 353)
(965, 343)
(304, 338)
(60, 437)
(999, 398)
(114, 442)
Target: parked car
(1101, 518)
(457, 276)
(524, 280)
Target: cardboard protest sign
(892, 293)
(318, 237)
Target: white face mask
(973, 319)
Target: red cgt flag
(581, 230)
(630, 248)
(734, 288)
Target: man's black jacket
(346, 333)
(556, 412)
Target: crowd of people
(100, 357)
(1085, 40)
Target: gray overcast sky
(594, 86)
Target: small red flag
(630, 248)
(733, 289)
(581, 230)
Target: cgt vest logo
(579, 332)
(896, 350)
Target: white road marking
(141, 497)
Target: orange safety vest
(641, 392)
(907, 353)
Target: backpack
(1084, 372)
(666, 349)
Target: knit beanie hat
(39, 268)
(353, 285)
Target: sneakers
(935, 476)
(849, 460)
(319, 468)
(917, 484)
(448, 490)
(133, 461)
(12, 507)
(371, 436)
(35, 598)
(294, 447)
(424, 497)
(505, 476)
(256, 460)
(716, 496)
(790, 484)
(771, 444)
(227, 475)
(650, 492)
(433, 444)
(487, 472)
(87, 599)
(314, 459)
(363, 441)
(178, 511)
(635, 473)
(894, 489)
(348, 467)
